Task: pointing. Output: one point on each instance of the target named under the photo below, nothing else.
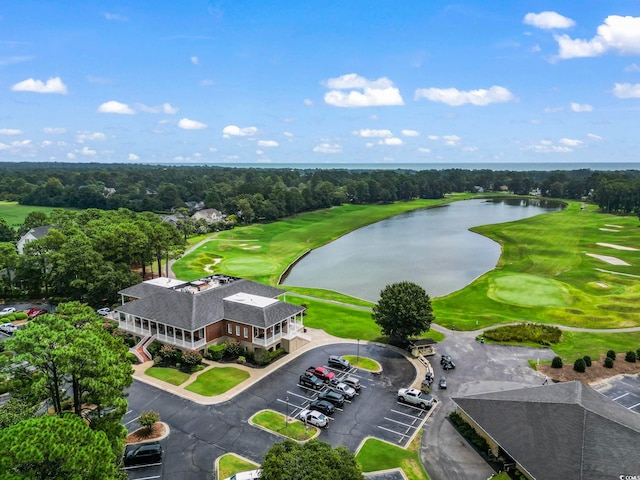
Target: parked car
(8, 328)
(415, 397)
(103, 311)
(323, 373)
(309, 380)
(334, 397)
(343, 389)
(443, 382)
(144, 454)
(314, 417)
(35, 311)
(322, 406)
(7, 310)
(248, 475)
(353, 382)
(336, 361)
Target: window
(246, 332)
(229, 328)
(237, 330)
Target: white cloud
(20, 143)
(451, 140)
(627, 90)
(455, 97)
(328, 148)
(46, 143)
(368, 133)
(288, 134)
(87, 151)
(207, 82)
(188, 124)
(235, 131)
(83, 136)
(10, 131)
(70, 156)
(391, 141)
(433, 137)
(553, 109)
(548, 20)
(133, 157)
(195, 60)
(116, 107)
(15, 59)
(259, 152)
(618, 34)
(570, 142)
(116, 17)
(375, 93)
(410, 133)
(164, 108)
(581, 107)
(595, 137)
(424, 150)
(308, 102)
(52, 85)
(469, 149)
(100, 80)
(632, 68)
(547, 146)
(54, 130)
(213, 149)
(369, 144)
(268, 143)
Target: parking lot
(624, 390)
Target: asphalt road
(201, 433)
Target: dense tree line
(267, 194)
(87, 255)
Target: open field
(14, 214)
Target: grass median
(378, 455)
(229, 464)
(169, 375)
(287, 427)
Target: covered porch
(192, 340)
(284, 329)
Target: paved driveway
(479, 368)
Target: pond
(431, 247)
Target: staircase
(140, 350)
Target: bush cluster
(580, 365)
(468, 432)
(611, 354)
(630, 357)
(556, 362)
(525, 332)
(233, 349)
(608, 362)
(216, 352)
(587, 360)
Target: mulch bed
(142, 434)
(594, 373)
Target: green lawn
(328, 295)
(363, 363)
(578, 344)
(217, 380)
(230, 464)
(293, 429)
(169, 375)
(378, 455)
(14, 213)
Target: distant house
(33, 234)
(195, 314)
(556, 432)
(194, 206)
(172, 219)
(211, 215)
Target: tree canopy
(404, 310)
(314, 460)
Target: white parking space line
(131, 421)
(297, 395)
(149, 478)
(411, 406)
(620, 396)
(406, 414)
(633, 406)
(400, 423)
(393, 431)
(134, 467)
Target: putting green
(529, 290)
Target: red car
(35, 311)
(323, 373)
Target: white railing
(132, 328)
(268, 340)
(181, 343)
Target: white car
(344, 389)
(250, 475)
(8, 328)
(314, 417)
(7, 310)
(103, 311)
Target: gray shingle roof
(560, 431)
(193, 311)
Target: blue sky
(320, 82)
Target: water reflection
(431, 247)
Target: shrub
(580, 365)
(233, 349)
(169, 353)
(556, 362)
(154, 348)
(216, 352)
(2, 347)
(587, 360)
(608, 362)
(191, 359)
(148, 419)
(630, 357)
(468, 432)
(638, 353)
(242, 360)
(525, 332)
(132, 358)
(611, 354)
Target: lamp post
(358, 353)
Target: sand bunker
(610, 260)
(617, 273)
(252, 247)
(602, 285)
(614, 226)
(608, 230)
(209, 267)
(617, 247)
